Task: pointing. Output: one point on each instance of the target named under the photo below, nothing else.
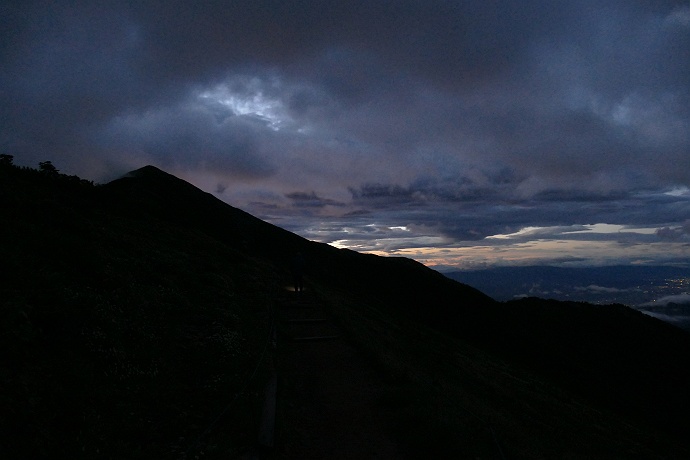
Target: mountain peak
(147, 171)
(154, 178)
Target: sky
(463, 134)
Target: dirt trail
(328, 394)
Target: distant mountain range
(130, 309)
(661, 291)
(630, 284)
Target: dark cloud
(311, 200)
(551, 216)
(456, 121)
(678, 233)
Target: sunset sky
(463, 134)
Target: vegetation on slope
(121, 335)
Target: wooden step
(298, 305)
(315, 338)
(304, 321)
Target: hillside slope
(132, 310)
(158, 195)
(614, 356)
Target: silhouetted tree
(47, 167)
(6, 160)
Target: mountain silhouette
(132, 309)
(402, 282)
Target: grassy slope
(121, 334)
(450, 399)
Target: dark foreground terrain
(143, 319)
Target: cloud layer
(487, 130)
